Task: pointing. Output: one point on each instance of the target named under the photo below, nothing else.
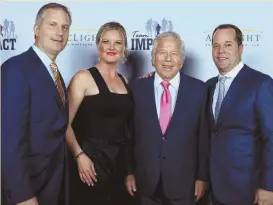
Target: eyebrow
(103, 39)
(225, 42)
(53, 21)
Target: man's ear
(153, 61)
(36, 30)
(241, 48)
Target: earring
(123, 59)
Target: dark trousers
(216, 202)
(159, 198)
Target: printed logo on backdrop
(8, 36)
(143, 40)
(82, 37)
(251, 38)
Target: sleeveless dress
(100, 127)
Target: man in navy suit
(35, 115)
(171, 139)
(241, 116)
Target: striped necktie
(57, 79)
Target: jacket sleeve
(264, 109)
(15, 113)
(130, 162)
(203, 140)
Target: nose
(221, 49)
(168, 57)
(112, 46)
(60, 31)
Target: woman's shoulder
(83, 73)
(82, 76)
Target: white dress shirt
(230, 77)
(45, 59)
(158, 88)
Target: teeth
(167, 67)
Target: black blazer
(180, 156)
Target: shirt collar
(174, 81)
(44, 58)
(234, 72)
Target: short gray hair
(169, 34)
(39, 16)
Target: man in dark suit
(171, 139)
(35, 114)
(241, 115)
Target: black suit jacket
(180, 156)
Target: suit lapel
(151, 102)
(45, 78)
(235, 88)
(211, 93)
(180, 102)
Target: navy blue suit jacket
(180, 156)
(34, 124)
(242, 139)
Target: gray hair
(169, 34)
(39, 16)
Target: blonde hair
(113, 26)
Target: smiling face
(226, 52)
(111, 46)
(52, 32)
(167, 58)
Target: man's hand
(200, 188)
(263, 197)
(32, 201)
(131, 184)
(148, 75)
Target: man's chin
(167, 77)
(57, 51)
(222, 68)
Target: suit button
(159, 157)
(163, 157)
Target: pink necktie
(165, 107)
